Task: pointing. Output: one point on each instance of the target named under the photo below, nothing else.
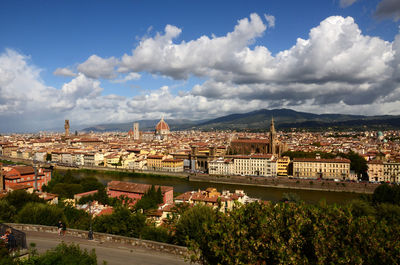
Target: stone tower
(66, 127)
(272, 138)
(136, 134)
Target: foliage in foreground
(63, 254)
(289, 233)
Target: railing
(20, 237)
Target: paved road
(110, 252)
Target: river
(265, 193)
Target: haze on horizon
(101, 62)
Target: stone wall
(285, 182)
(101, 237)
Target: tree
(150, 200)
(40, 213)
(120, 222)
(288, 233)
(20, 198)
(64, 254)
(357, 163)
(193, 223)
(65, 190)
(48, 157)
(7, 212)
(386, 194)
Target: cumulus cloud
(271, 20)
(160, 55)
(128, 77)
(97, 67)
(336, 68)
(346, 3)
(64, 72)
(388, 9)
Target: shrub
(41, 214)
(64, 254)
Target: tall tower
(66, 127)
(272, 138)
(136, 131)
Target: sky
(97, 62)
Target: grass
(8, 162)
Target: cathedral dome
(162, 127)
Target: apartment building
(283, 166)
(391, 171)
(246, 165)
(321, 168)
(375, 170)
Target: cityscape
(200, 132)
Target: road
(110, 252)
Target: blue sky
(117, 61)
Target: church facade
(246, 146)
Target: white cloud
(128, 77)
(64, 72)
(97, 67)
(271, 20)
(160, 55)
(336, 68)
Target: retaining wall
(285, 182)
(101, 237)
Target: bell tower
(66, 127)
(272, 138)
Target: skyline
(98, 62)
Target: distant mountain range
(285, 119)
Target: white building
(245, 165)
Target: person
(11, 241)
(60, 227)
(64, 229)
(5, 236)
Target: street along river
(265, 193)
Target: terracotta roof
(106, 211)
(18, 186)
(86, 193)
(154, 157)
(162, 125)
(24, 170)
(134, 187)
(253, 141)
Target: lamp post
(90, 234)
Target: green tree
(288, 233)
(386, 194)
(193, 223)
(357, 163)
(20, 198)
(40, 213)
(66, 190)
(48, 157)
(150, 200)
(91, 183)
(7, 212)
(121, 222)
(76, 218)
(64, 254)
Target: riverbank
(125, 172)
(286, 183)
(278, 182)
